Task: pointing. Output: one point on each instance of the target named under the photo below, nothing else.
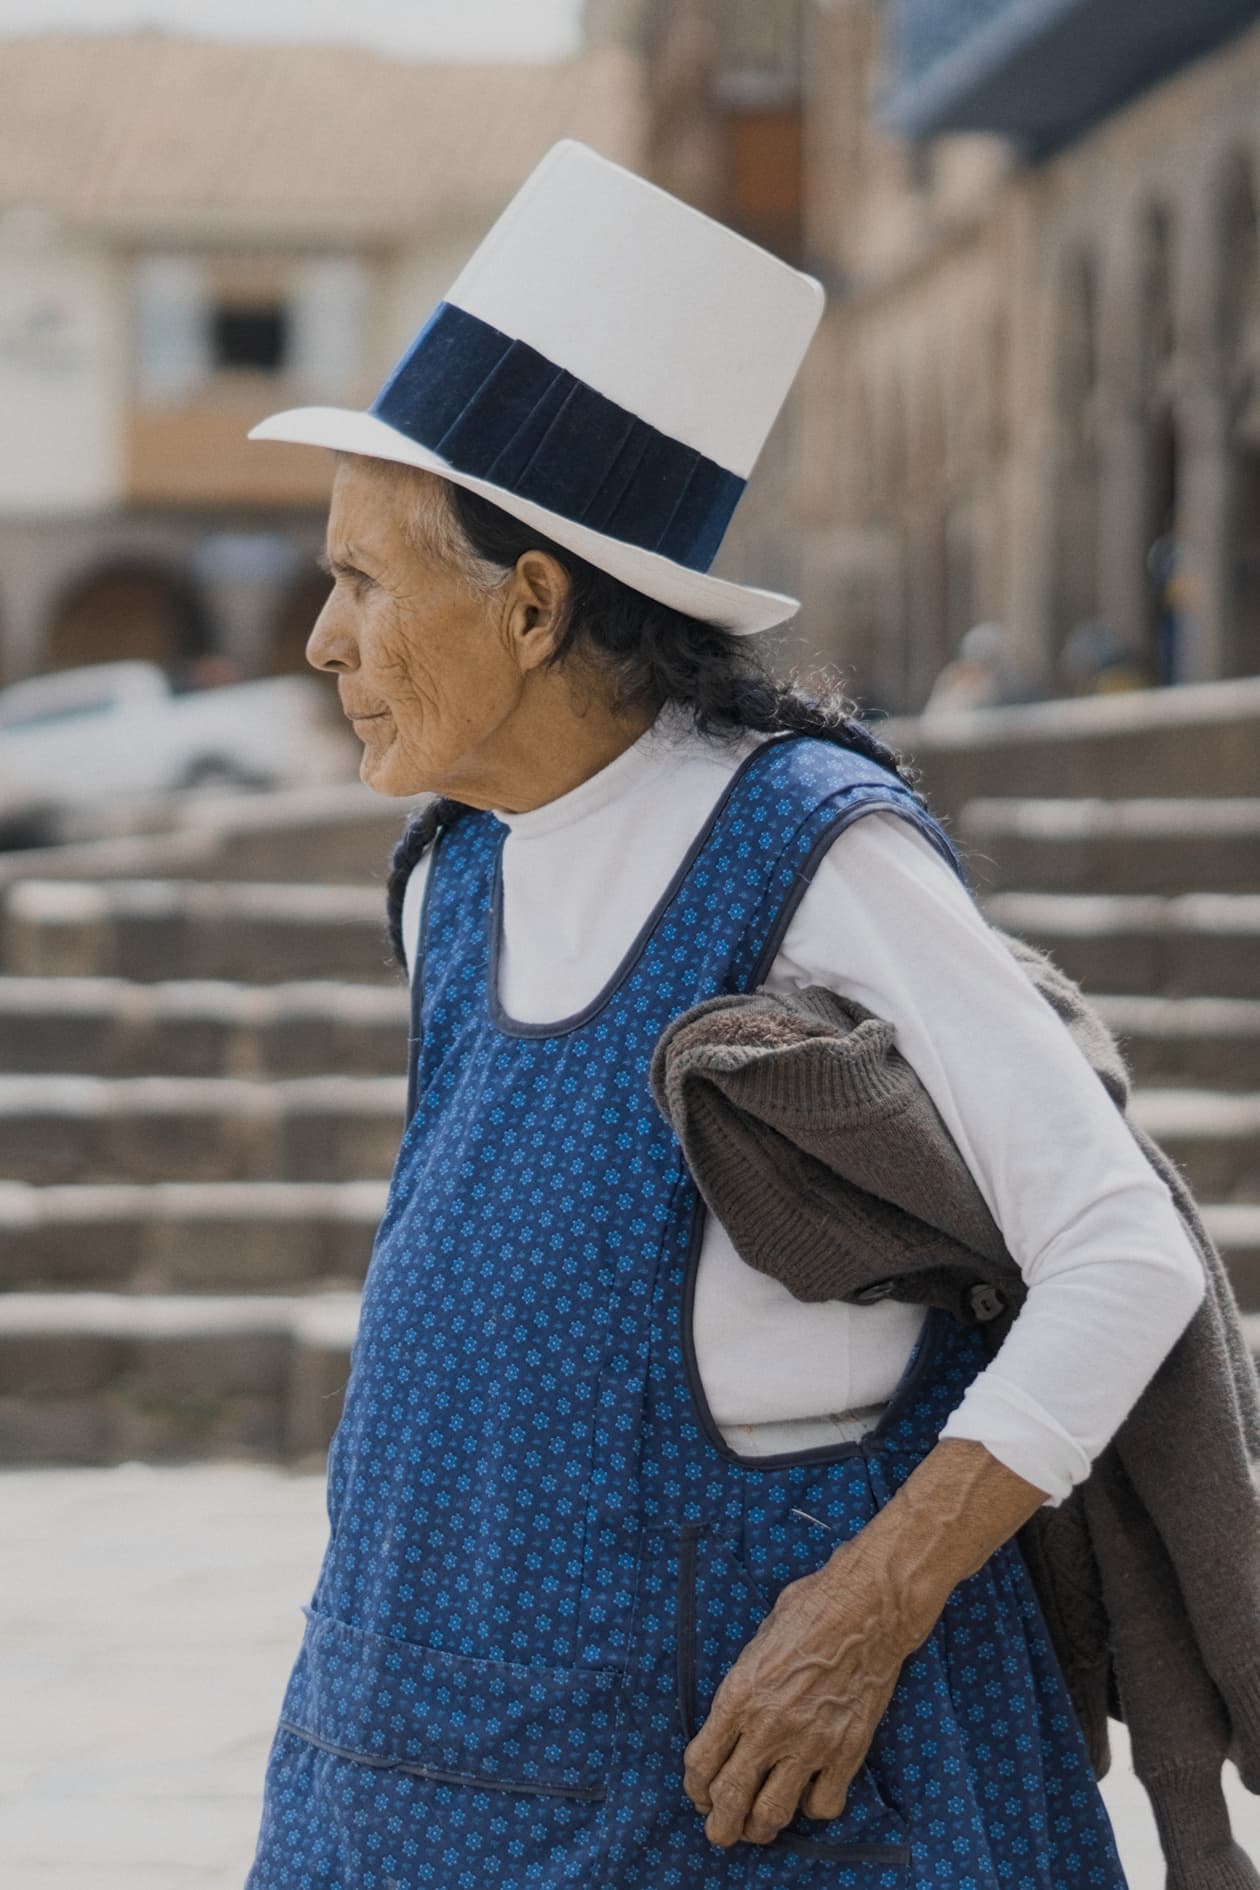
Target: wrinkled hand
(792, 1720)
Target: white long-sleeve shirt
(1112, 1276)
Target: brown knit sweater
(817, 1147)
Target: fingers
(828, 1792)
(754, 1800)
(731, 1796)
(776, 1803)
(705, 1757)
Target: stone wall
(1036, 398)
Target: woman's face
(425, 665)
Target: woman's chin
(375, 770)
(386, 772)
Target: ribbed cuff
(1194, 1829)
(1242, 1699)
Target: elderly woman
(641, 1572)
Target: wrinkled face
(424, 668)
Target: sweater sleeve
(1112, 1276)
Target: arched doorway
(892, 478)
(128, 610)
(1163, 552)
(293, 622)
(927, 523)
(1074, 572)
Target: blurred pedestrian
(1168, 567)
(1096, 661)
(989, 671)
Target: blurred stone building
(1035, 397)
(193, 234)
(1034, 400)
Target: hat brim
(739, 608)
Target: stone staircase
(203, 1047)
(1175, 974)
(1123, 836)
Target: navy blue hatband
(497, 409)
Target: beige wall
(62, 369)
(414, 278)
(200, 454)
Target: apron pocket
(720, 1608)
(397, 1705)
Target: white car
(79, 738)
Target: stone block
(196, 1366)
(35, 1430)
(1235, 1228)
(1161, 846)
(58, 1361)
(341, 1127)
(195, 1237)
(1197, 740)
(1201, 1042)
(99, 1376)
(1197, 944)
(150, 930)
(1213, 1138)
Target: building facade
(1036, 401)
(193, 235)
(1033, 401)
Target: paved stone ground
(148, 1619)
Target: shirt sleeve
(413, 899)
(1113, 1278)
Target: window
(171, 341)
(254, 336)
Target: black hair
(645, 654)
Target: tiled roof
(150, 133)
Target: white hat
(606, 368)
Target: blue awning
(1040, 71)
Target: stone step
(100, 1377)
(341, 831)
(97, 1378)
(117, 1027)
(263, 1237)
(1235, 1228)
(1198, 1043)
(157, 1128)
(1196, 739)
(1195, 944)
(188, 1236)
(155, 929)
(1096, 845)
(1214, 1138)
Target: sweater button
(877, 1290)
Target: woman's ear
(537, 599)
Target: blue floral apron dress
(542, 1555)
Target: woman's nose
(331, 645)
